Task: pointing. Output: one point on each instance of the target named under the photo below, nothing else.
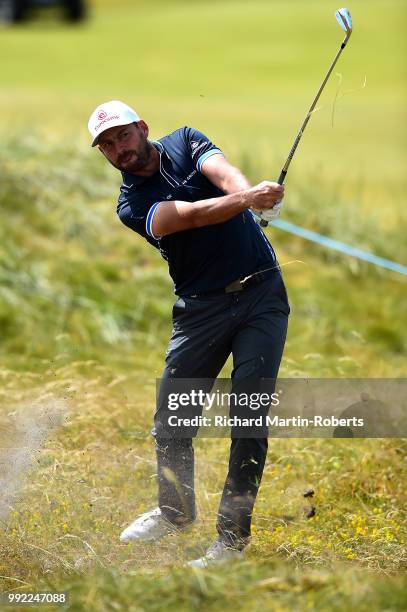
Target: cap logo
(99, 125)
(102, 115)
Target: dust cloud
(22, 434)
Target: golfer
(182, 195)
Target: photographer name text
(264, 421)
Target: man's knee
(251, 367)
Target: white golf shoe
(217, 554)
(149, 526)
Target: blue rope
(339, 246)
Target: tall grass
(85, 303)
(68, 280)
(61, 531)
(77, 284)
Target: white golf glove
(270, 213)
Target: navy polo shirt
(201, 259)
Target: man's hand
(272, 213)
(265, 195)
(269, 214)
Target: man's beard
(133, 161)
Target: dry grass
(98, 471)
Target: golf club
(344, 19)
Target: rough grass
(98, 471)
(82, 342)
(85, 305)
(73, 279)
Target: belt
(240, 284)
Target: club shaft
(309, 113)
(284, 171)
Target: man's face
(126, 146)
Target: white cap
(110, 114)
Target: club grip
(280, 181)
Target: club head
(344, 19)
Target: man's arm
(225, 176)
(228, 178)
(177, 216)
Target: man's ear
(143, 126)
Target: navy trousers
(251, 325)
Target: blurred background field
(85, 304)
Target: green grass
(85, 305)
